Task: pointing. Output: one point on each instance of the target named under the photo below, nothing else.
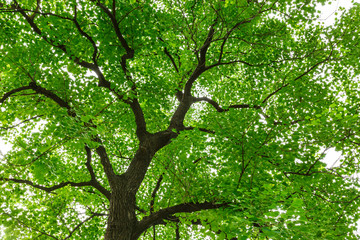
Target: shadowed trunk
(122, 219)
(122, 223)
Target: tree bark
(122, 219)
(122, 222)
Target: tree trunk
(122, 219)
(122, 222)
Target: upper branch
(227, 35)
(129, 51)
(92, 66)
(200, 68)
(37, 30)
(141, 131)
(27, 120)
(105, 162)
(134, 103)
(171, 59)
(298, 77)
(220, 109)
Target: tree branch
(27, 120)
(92, 66)
(8, 94)
(171, 59)
(163, 214)
(141, 131)
(93, 180)
(46, 189)
(105, 162)
(79, 225)
(297, 78)
(153, 194)
(51, 95)
(129, 51)
(32, 228)
(220, 109)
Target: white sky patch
(332, 158)
(329, 12)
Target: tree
(178, 119)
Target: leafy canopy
(235, 102)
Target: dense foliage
(175, 119)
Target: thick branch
(153, 194)
(158, 217)
(105, 162)
(47, 189)
(93, 180)
(220, 109)
(171, 59)
(49, 94)
(8, 94)
(129, 51)
(141, 131)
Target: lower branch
(163, 214)
(8, 94)
(47, 189)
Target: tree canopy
(169, 119)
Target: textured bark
(122, 219)
(122, 223)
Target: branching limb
(27, 120)
(153, 194)
(91, 66)
(171, 59)
(32, 228)
(141, 131)
(163, 214)
(227, 35)
(129, 51)
(105, 162)
(79, 225)
(134, 103)
(53, 96)
(8, 94)
(202, 61)
(220, 109)
(93, 180)
(46, 189)
(167, 53)
(88, 163)
(38, 2)
(37, 30)
(297, 78)
(200, 129)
